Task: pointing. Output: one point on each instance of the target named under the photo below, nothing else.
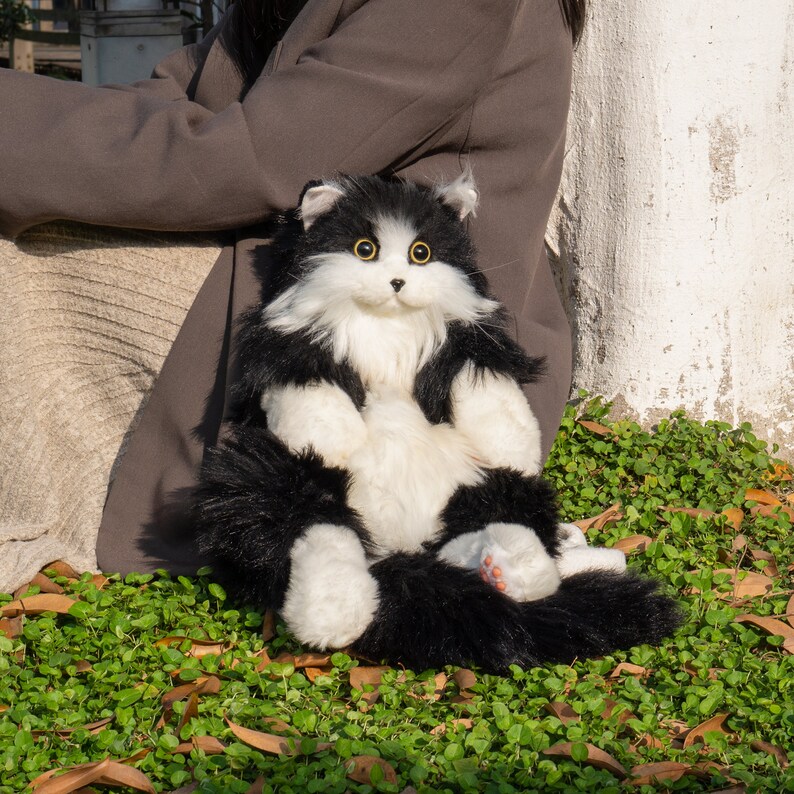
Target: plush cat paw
(332, 597)
(575, 556)
(515, 562)
(319, 416)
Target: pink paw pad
(491, 574)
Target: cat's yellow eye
(365, 249)
(420, 253)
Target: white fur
(465, 550)
(406, 473)
(460, 194)
(493, 413)
(575, 556)
(331, 597)
(527, 569)
(318, 415)
(317, 201)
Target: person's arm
(392, 75)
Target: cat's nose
(397, 284)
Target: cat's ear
(317, 199)
(461, 194)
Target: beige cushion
(87, 316)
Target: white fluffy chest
(406, 470)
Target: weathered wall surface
(674, 227)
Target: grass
(715, 704)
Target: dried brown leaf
(790, 611)
(118, 774)
(62, 568)
(738, 543)
(267, 742)
(747, 584)
(464, 678)
(137, 755)
(760, 555)
(595, 757)
(611, 515)
(270, 742)
(11, 627)
(83, 666)
(359, 768)
(197, 647)
(45, 584)
(646, 740)
(611, 706)
(264, 660)
(770, 510)
(36, 604)
(312, 660)
(633, 544)
(597, 428)
(99, 581)
(257, 787)
(651, 774)
(562, 711)
(441, 728)
(735, 516)
(772, 626)
(697, 734)
(464, 696)
(762, 497)
(440, 681)
(361, 676)
(274, 723)
(209, 744)
(269, 626)
(191, 710)
(73, 778)
(92, 727)
(631, 669)
(313, 673)
(285, 657)
(695, 512)
(778, 752)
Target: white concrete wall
(674, 227)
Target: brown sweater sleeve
(389, 77)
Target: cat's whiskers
(497, 267)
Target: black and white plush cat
(381, 488)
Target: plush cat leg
(493, 413)
(510, 557)
(331, 597)
(575, 556)
(319, 416)
(270, 519)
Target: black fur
(487, 348)
(504, 495)
(433, 614)
(257, 498)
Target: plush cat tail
(432, 614)
(254, 500)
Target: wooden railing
(20, 45)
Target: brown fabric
(412, 87)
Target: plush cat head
(385, 249)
